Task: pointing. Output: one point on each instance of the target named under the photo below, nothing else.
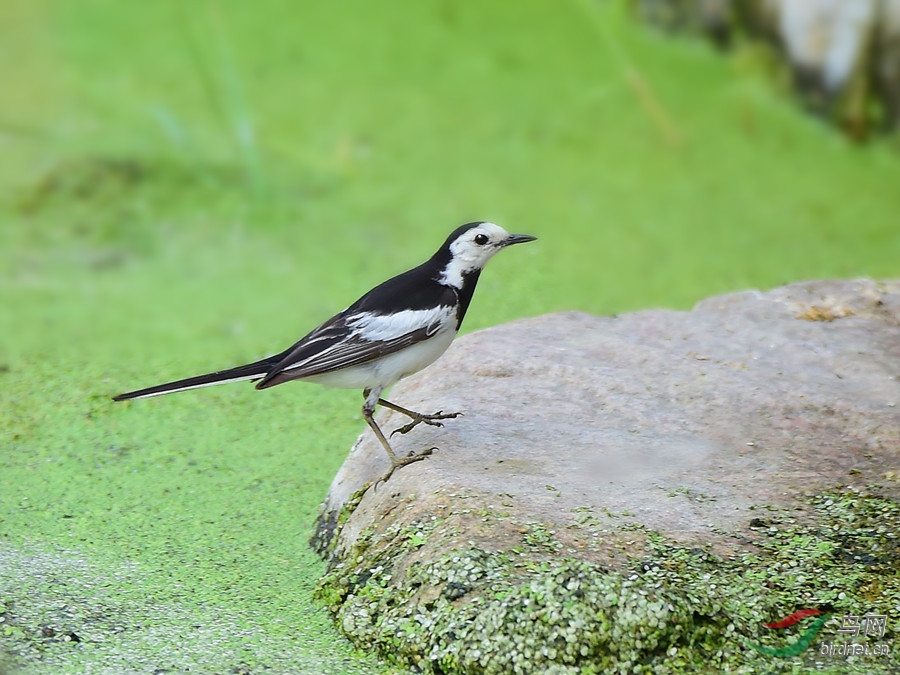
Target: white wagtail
(394, 330)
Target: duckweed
(671, 609)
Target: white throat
(467, 256)
(454, 272)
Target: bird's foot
(397, 462)
(431, 420)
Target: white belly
(388, 369)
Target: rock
(844, 56)
(640, 489)
(886, 60)
(828, 43)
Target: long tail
(251, 371)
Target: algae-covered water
(188, 186)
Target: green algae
(672, 609)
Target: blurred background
(185, 186)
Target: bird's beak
(517, 239)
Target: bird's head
(469, 247)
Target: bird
(396, 329)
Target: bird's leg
(417, 418)
(368, 410)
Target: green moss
(671, 610)
(328, 523)
(537, 537)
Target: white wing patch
(368, 334)
(383, 327)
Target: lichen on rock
(672, 609)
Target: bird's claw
(403, 461)
(430, 420)
(406, 428)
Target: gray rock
(595, 444)
(844, 55)
(886, 59)
(828, 44)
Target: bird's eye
(481, 239)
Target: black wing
(338, 344)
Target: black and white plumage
(394, 330)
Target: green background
(185, 186)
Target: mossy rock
(669, 609)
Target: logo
(867, 625)
(805, 640)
